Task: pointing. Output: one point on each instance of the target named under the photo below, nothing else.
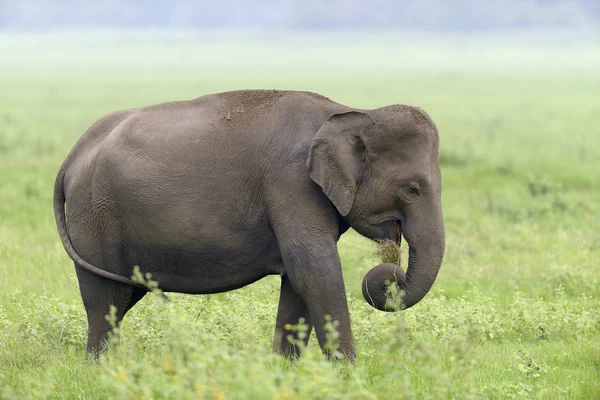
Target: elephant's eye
(413, 188)
(409, 192)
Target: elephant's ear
(336, 157)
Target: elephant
(214, 193)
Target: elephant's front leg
(314, 271)
(291, 309)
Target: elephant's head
(380, 170)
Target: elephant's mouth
(398, 232)
(391, 230)
(389, 242)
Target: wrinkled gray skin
(212, 194)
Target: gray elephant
(212, 194)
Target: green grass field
(515, 312)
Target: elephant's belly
(204, 252)
(204, 269)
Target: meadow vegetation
(515, 312)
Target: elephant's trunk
(425, 258)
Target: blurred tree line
(427, 15)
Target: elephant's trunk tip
(381, 287)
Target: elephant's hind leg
(291, 308)
(98, 295)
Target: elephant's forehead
(403, 139)
(403, 116)
(403, 158)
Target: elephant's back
(217, 137)
(218, 133)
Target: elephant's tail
(59, 215)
